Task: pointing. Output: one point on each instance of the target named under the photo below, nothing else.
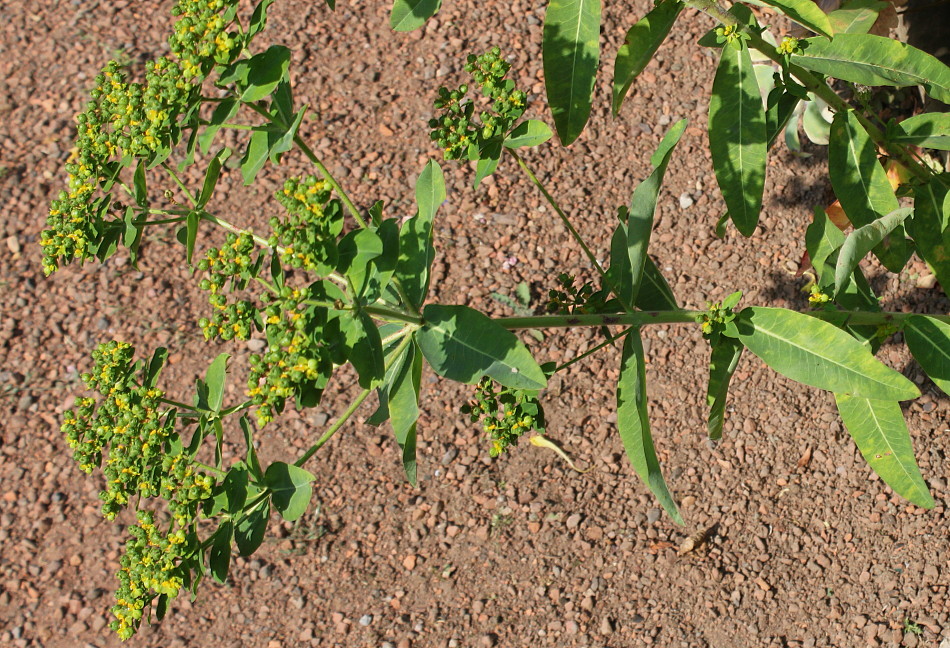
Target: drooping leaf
(873, 61)
(259, 18)
(215, 378)
(255, 155)
(929, 341)
(862, 187)
(862, 240)
(571, 53)
(403, 400)
(212, 175)
(879, 431)
(290, 489)
(488, 158)
(408, 15)
(819, 354)
(633, 423)
(722, 364)
(639, 46)
(528, 133)
(929, 130)
(363, 347)
(154, 368)
(806, 13)
(415, 238)
(462, 344)
(250, 529)
(737, 137)
(930, 227)
(219, 558)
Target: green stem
(559, 211)
(212, 469)
(393, 314)
(178, 404)
(236, 408)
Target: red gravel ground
(808, 547)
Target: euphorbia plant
(334, 284)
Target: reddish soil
(809, 548)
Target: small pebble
(365, 620)
(686, 201)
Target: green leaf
(253, 464)
(929, 341)
(856, 16)
(819, 354)
(415, 238)
(805, 13)
(290, 489)
(211, 176)
(219, 558)
(528, 133)
(571, 52)
(779, 115)
(737, 137)
(462, 344)
(264, 72)
(259, 18)
(356, 252)
(215, 377)
(639, 46)
(191, 234)
(822, 239)
(874, 61)
(364, 348)
(879, 431)
(408, 15)
(138, 185)
(279, 143)
(159, 356)
(255, 155)
(403, 401)
(633, 423)
(931, 229)
(641, 211)
(223, 112)
(488, 158)
(722, 364)
(250, 528)
(862, 240)
(862, 187)
(929, 130)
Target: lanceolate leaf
(408, 15)
(249, 530)
(862, 240)
(875, 60)
(215, 378)
(805, 13)
(643, 207)
(929, 341)
(722, 364)
(856, 16)
(633, 423)
(655, 293)
(463, 344)
(571, 52)
(819, 354)
(879, 430)
(862, 187)
(822, 239)
(639, 46)
(737, 137)
(929, 130)
(403, 401)
(415, 238)
(931, 230)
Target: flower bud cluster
(307, 236)
(506, 415)
(229, 263)
(297, 363)
(456, 131)
(151, 565)
(200, 38)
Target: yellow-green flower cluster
(506, 415)
(297, 363)
(200, 38)
(307, 236)
(456, 131)
(151, 566)
(231, 262)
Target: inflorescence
(505, 415)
